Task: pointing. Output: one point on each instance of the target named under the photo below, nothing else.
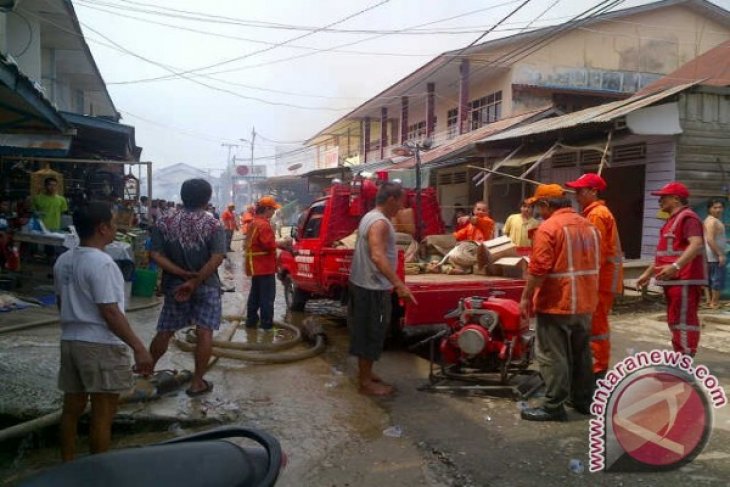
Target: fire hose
(56, 319)
(258, 353)
(263, 353)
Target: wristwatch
(676, 266)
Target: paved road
(334, 437)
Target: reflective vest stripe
(683, 319)
(249, 253)
(669, 253)
(618, 261)
(597, 338)
(683, 327)
(571, 274)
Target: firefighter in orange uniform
(260, 264)
(478, 227)
(611, 274)
(247, 218)
(680, 266)
(562, 289)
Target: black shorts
(368, 319)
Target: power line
(172, 70)
(308, 54)
(217, 19)
(520, 52)
(209, 86)
(299, 37)
(179, 130)
(254, 41)
(536, 43)
(578, 20)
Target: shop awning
(31, 145)
(102, 137)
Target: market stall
(29, 243)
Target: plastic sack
(464, 254)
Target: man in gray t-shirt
(189, 245)
(373, 279)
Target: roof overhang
(103, 137)
(604, 114)
(32, 145)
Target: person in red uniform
(562, 289)
(260, 264)
(610, 277)
(478, 227)
(247, 218)
(228, 217)
(680, 266)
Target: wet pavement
(335, 437)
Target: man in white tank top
(715, 248)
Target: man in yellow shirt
(50, 205)
(518, 225)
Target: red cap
(673, 189)
(588, 180)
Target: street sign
(257, 170)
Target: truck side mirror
(294, 233)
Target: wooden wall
(660, 157)
(703, 149)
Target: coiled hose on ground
(263, 353)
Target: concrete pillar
(349, 141)
(463, 96)
(365, 138)
(430, 109)
(403, 119)
(383, 131)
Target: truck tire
(295, 298)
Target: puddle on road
(311, 406)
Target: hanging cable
(304, 55)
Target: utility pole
(229, 166)
(251, 180)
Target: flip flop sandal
(208, 388)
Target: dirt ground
(335, 437)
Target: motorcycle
(200, 459)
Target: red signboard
(242, 170)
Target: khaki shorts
(94, 368)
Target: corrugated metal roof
(466, 141)
(598, 114)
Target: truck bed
(446, 278)
(438, 294)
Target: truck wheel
(296, 299)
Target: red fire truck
(311, 267)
